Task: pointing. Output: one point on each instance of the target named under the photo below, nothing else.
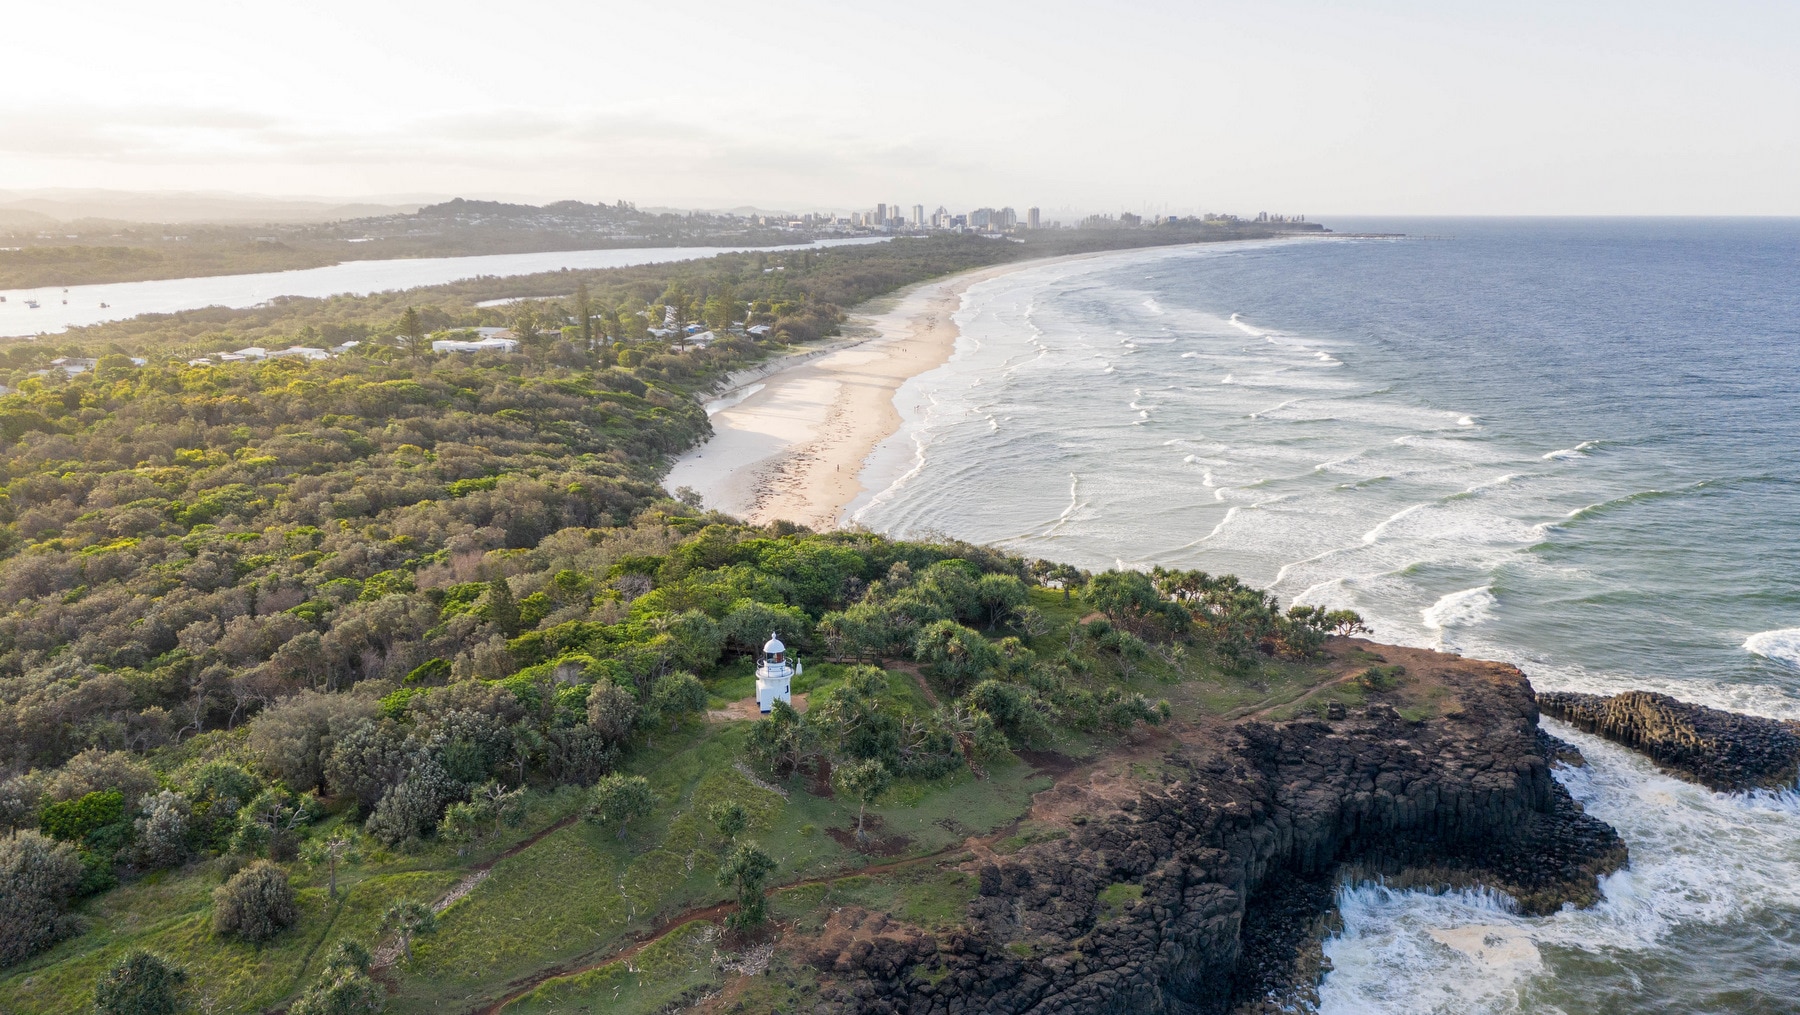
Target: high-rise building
(1031, 218)
(881, 214)
(918, 216)
(1005, 219)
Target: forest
(280, 640)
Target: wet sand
(791, 443)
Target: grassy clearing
(175, 920)
(928, 896)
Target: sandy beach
(790, 442)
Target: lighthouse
(773, 674)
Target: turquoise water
(1572, 445)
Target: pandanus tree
(747, 869)
(409, 919)
(862, 781)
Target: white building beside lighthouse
(774, 674)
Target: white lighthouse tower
(773, 674)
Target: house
(758, 331)
(496, 344)
(73, 365)
(299, 352)
(248, 352)
(701, 340)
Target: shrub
(617, 799)
(367, 760)
(256, 904)
(75, 820)
(955, 654)
(676, 697)
(162, 833)
(216, 791)
(580, 754)
(731, 819)
(412, 807)
(1013, 709)
(139, 984)
(293, 738)
(37, 876)
(94, 770)
(612, 712)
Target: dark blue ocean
(1570, 444)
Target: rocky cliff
(1720, 750)
(1204, 891)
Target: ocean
(1568, 444)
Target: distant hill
(47, 206)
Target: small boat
(103, 306)
(33, 304)
(65, 302)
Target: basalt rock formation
(1720, 750)
(1207, 893)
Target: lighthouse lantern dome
(774, 646)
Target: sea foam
(1782, 646)
(1697, 858)
(1460, 609)
(1578, 451)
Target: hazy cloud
(1290, 105)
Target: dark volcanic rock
(1719, 750)
(1219, 880)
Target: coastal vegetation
(401, 665)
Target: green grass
(1118, 898)
(678, 967)
(175, 921)
(925, 896)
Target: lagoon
(61, 308)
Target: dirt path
(1262, 708)
(388, 951)
(586, 963)
(918, 676)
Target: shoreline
(792, 437)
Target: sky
(1380, 108)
